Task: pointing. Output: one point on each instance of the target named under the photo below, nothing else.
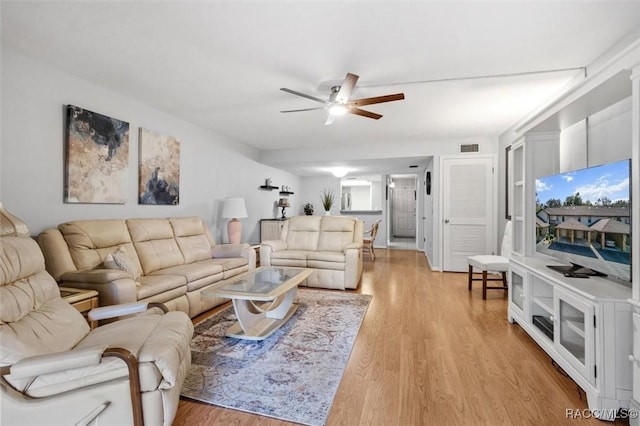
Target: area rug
(293, 374)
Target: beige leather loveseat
(331, 245)
(170, 261)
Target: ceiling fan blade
(346, 88)
(377, 100)
(330, 118)
(364, 113)
(303, 109)
(304, 95)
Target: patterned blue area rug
(293, 374)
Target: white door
(404, 211)
(467, 210)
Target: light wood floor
(431, 353)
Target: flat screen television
(584, 217)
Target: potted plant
(327, 199)
(308, 209)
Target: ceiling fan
(339, 103)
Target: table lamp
(234, 209)
(283, 203)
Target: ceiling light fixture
(339, 171)
(338, 109)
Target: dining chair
(368, 241)
(487, 263)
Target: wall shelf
(286, 193)
(268, 187)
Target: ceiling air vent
(471, 147)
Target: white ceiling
(220, 64)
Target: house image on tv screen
(596, 237)
(584, 217)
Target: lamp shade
(234, 208)
(283, 202)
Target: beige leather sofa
(170, 261)
(54, 370)
(330, 245)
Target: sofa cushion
(155, 244)
(302, 232)
(319, 264)
(296, 258)
(291, 254)
(151, 285)
(335, 233)
(333, 260)
(193, 271)
(191, 236)
(232, 266)
(327, 256)
(90, 241)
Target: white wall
(429, 214)
(573, 147)
(381, 150)
(34, 96)
(312, 186)
(602, 138)
(610, 134)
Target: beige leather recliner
(56, 371)
(330, 245)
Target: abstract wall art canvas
(159, 169)
(96, 158)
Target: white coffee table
(262, 300)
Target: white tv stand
(591, 321)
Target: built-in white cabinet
(517, 292)
(517, 195)
(532, 156)
(583, 324)
(634, 358)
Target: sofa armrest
(55, 362)
(268, 247)
(113, 285)
(349, 246)
(235, 250)
(276, 245)
(61, 362)
(113, 311)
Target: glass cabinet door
(516, 290)
(575, 332)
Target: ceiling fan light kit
(339, 103)
(337, 109)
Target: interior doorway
(468, 184)
(402, 220)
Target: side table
(82, 300)
(256, 247)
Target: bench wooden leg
(470, 277)
(484, 285)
